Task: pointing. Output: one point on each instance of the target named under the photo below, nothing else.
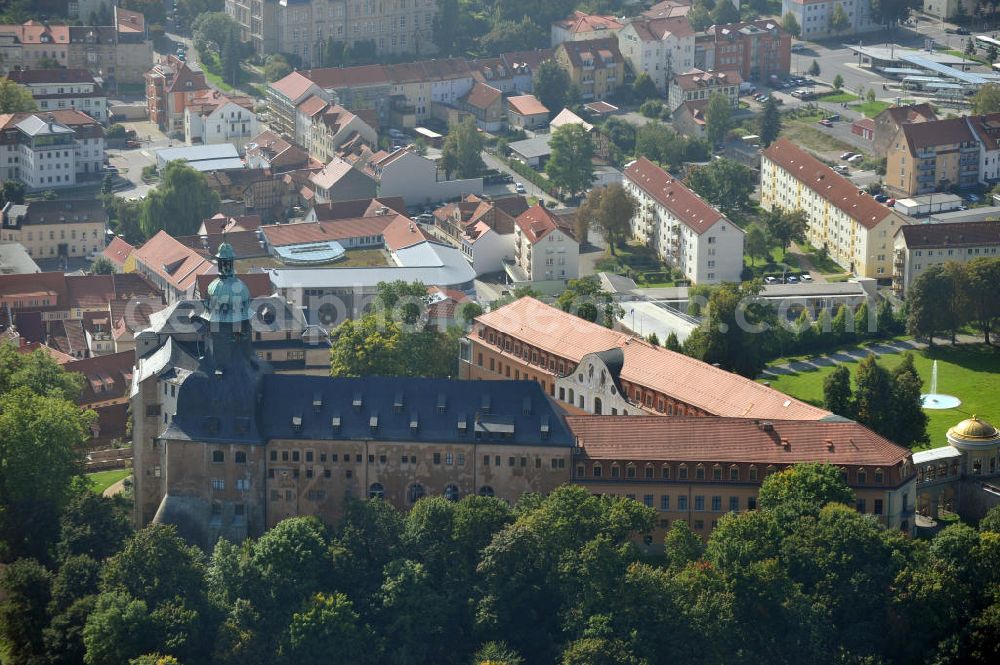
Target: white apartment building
(50, 150)
(304, 27)
(918, 247)
(696, 85)
(58, 89)
(544, 251)
(813, 17)
(660, 47)
(856, 230)
(416, 178)
(686, 232)
(485, 248)
(212, 117)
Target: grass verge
(102, 480)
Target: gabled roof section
(537, 222)
(694, 439)
(293, 86)
(312, 105)
(118, 251)
(839, 191)
(402, 233)
(481, 96)
(526, 105)
(582, 22)
(697, 79)
(176, 263)
(957, 234)
(187, 80)
(599, 52)
(693, 211)
(919, 135)
(901, 115)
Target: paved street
(530, 189)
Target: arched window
(753, 472)
(451, 492)
(486, 490)
(699, 472)
(717, 472)
(218, 456)
(597, 471)
(616, 471)
(649, 472)
(415, 493)
(630, 471)
(582, 403)
(665, 472)
(734, 472)
(682, 472)
(241, 458)
(376, 491)
(598, 407)
(879, 476)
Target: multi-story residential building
(283, 99)
(756, 50)
(269, 151)
(170, 86)
(59, 228)
(211, 117)
(305, 27)
(64, 89)
(686, 232)
(949, 9)
(596, 65)
(932, 156)
(888, 122)
(323, 128)
(580, 26)
(50, 150)
(486, 104)
(482, 228)
(34, 45)
(697, 85)
(813, 17)
(856, 230)
(603, 371)
(659, 46)
(340, 181)
(545, 251)
(986, 129)
(918, 247)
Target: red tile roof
(48, 285)
(692, 210)
(118, 251)
(817, 176)
(358, 208)
(129, 21)
(90, 291)
(280, 235)
(686, 379)
(293, 86)
(311, 106)
(655, 29)
(106, 377)
(482, 96)
(693, 439)
(221, 223)
(696, 79)
(582, 22)
(526, 105)
(173, 261)
(602, 52)
(537, 222)
(402, 233)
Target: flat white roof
(934, 454)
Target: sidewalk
(854, 354)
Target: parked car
(847, 155)
(519, 187)
(891, 203)
(425, 218)
(806, 277)
(834, 117)
(791, 279)
(854, 159)
(881, 198)
(771, 280)
(841, 169)
(962, 31)
(973, 198)
(825, 122)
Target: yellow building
(925, 157)
(855, 229)
(596, 65)
(54, 229)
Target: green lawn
(102, 480)
(807, 133)
(871, 109)
(970, 372)
(638, 262)
(836, 97)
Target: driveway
(529, 188)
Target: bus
(984, 42)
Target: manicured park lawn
(871, 109)
(970, 372)
(836, 97)
(102, 480)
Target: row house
(686, 232)
(56, 229)
(284, 97)
(755, 50)
(54, 89)
(919, 247)
(323, 128)
(855, 229)
(512, 72)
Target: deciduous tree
(643, 88)
(718, 115)
(180, 202)
(873, 396)
(570, 167)
(785, 227)
(724, 183)
(15, 98)
(461, 154)
(770, 122)
(551, 85)
(837, 396)
(791, 25)
(987, 99)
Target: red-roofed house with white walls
(545, 252)
(685, 230)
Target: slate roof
(437, 407)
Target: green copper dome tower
(228, 309)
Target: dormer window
(296, 424)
